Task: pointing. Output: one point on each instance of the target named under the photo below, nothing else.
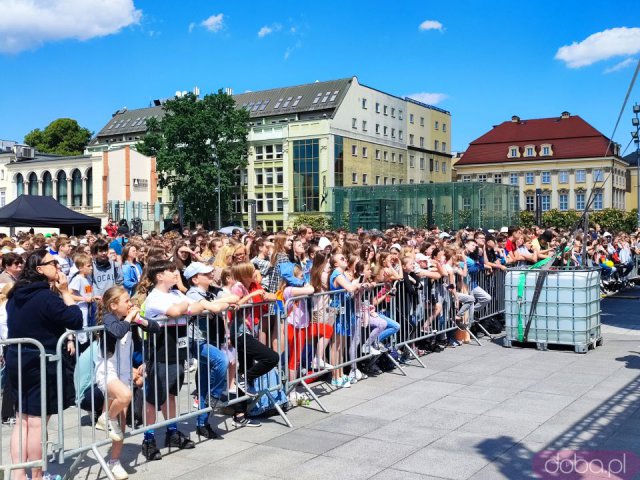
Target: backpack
(281, 302)
(269, 380)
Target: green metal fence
(448, 205)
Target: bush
(614, 220)
(317, 222)
(557, 219)
(527, 218)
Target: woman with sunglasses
(35, 311)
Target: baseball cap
(606, 234)
(504, 230)
(444, 235)
(396, 246)
(195, 268)
(324, 243)
(421, 257)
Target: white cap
(504, 230)
(324, 243)
(444, 235)
(19, 250)
(421, 257)
(607, 234)
(195, 268)
(491, 230)
(396, 246)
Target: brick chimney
(565, 114)
(515, 119)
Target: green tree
(317, 222)
(196, 141)
(527, 218)
(63, 136)
(612, 220)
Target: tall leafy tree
(63, 136)
(196, 140)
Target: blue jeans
(212, 371)
(393, 327)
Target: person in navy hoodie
(34, 310)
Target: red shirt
(509, 246)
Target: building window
(76, 188)
(33, 184)
(466, 178)
(444, 127)
(354, 123)
(377, 107)
(338, 161)
(259, 152)
(444, 167)
(364, 103)
(365, 178)
(597, 176)
(563, 201)
(393, 157)
(268, 152)
(393, 180)
(545, 151)
(259, 203)
(482, 178)
(393, 133)
(386, 180)
(61, 187)
(436, 126)
(377, 179)
(354, 150)
(436, 145)
(400, 117)
(411, 118)
(513, 152)
(563, 176)
(513, 178)
(385, 130)
(365, 151)
(422, 142)
(422, 121)
(530, 203)
(279, 176)
(431, 164)
(546, 177)
(306, 177)
(411, 139)
(400, 136)
(545, 202)
(529, 178)
(466, 203)
(279, 151)
(377, 154)
(268, 202)
(279, 204)
(259, 177)
(378, 128)
(268, 176)
(581, 176)
(412, 161)
(421, 163)
(364, 125)
(437, 166)
(497, 178)
(400, 158)
(20, 184)
(579, 201)
(385, 155)
(393, 112)
(3, 198)
(385, 111)
(444, 147)
(529, 152)
(354, 177)
(47, 185)
(597, 201)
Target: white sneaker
(318, 364)
(370, 349)
(193, 366)
(111, 427)
(118, 472)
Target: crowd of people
(148, 287)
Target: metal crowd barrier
(311, 336)
(36, 357)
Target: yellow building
(561, 159)
(632, 181)
(428, 143)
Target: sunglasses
(50, 262)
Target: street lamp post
(215, 159)
(635, 121)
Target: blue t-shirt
(118, 244)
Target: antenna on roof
(196, 91)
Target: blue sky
(482, 60)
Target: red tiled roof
(570, 137)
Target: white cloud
(214, 23)
(429, 98)
(192, 25)
(621, 65)
(613, 42)
(269, 29)
(291, 49)
(431, 25)
(29, 24)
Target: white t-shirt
(158, 302)
(80, 286)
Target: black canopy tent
(36, 211)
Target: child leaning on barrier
(113, 367)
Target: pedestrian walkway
(474, 412)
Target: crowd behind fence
(316, 336)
